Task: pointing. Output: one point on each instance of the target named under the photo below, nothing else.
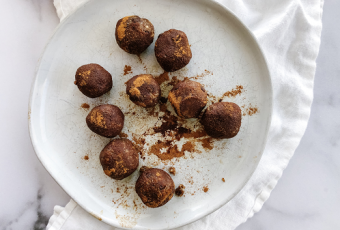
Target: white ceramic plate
(220, 44)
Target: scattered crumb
(86, 157)
(172, 170)
(205, 189)
(127, 69)
(223, 179)
(252, 111)
(180, 190)
(143, 168)
(85, 106)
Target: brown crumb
(223, 179)
(86, 157)
(143, 169)
(127, 69)
(205, 189)
(180, 190)
(85, 106)
(172, 170)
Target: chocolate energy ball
(134, 34)
(188, 98)
(143, 90)
(119, 159)
(155, 187)
(93, 80)
(105, 120)
(222, 120)
(172, 50)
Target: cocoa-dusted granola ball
(134, 34)
(222, 120)
(155, 187)
(143, 90)
(172, 50)
(119, 159)
(188, 98)
(93, 80)
(105, 120)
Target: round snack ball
(93, 80)
(143, 90)
(172, 50)
(222, 120)
(119, 159)
(188, 98)
(105, 120)
(134, 34)
(155, 187)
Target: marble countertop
(306, 197)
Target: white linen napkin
(289, 32)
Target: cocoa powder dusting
(207, 143)
(162, 78)
(85, 106)
(127, 69)
(233, 93)
(205, 73)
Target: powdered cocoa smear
(232, 93)
(171, 150)
(162, 78)
(85, 106)
(172, 129)
(127, 69)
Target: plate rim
(108, 221)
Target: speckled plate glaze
(225, 55)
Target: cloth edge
(57, 220)
(265, 193)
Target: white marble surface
(306, 197)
